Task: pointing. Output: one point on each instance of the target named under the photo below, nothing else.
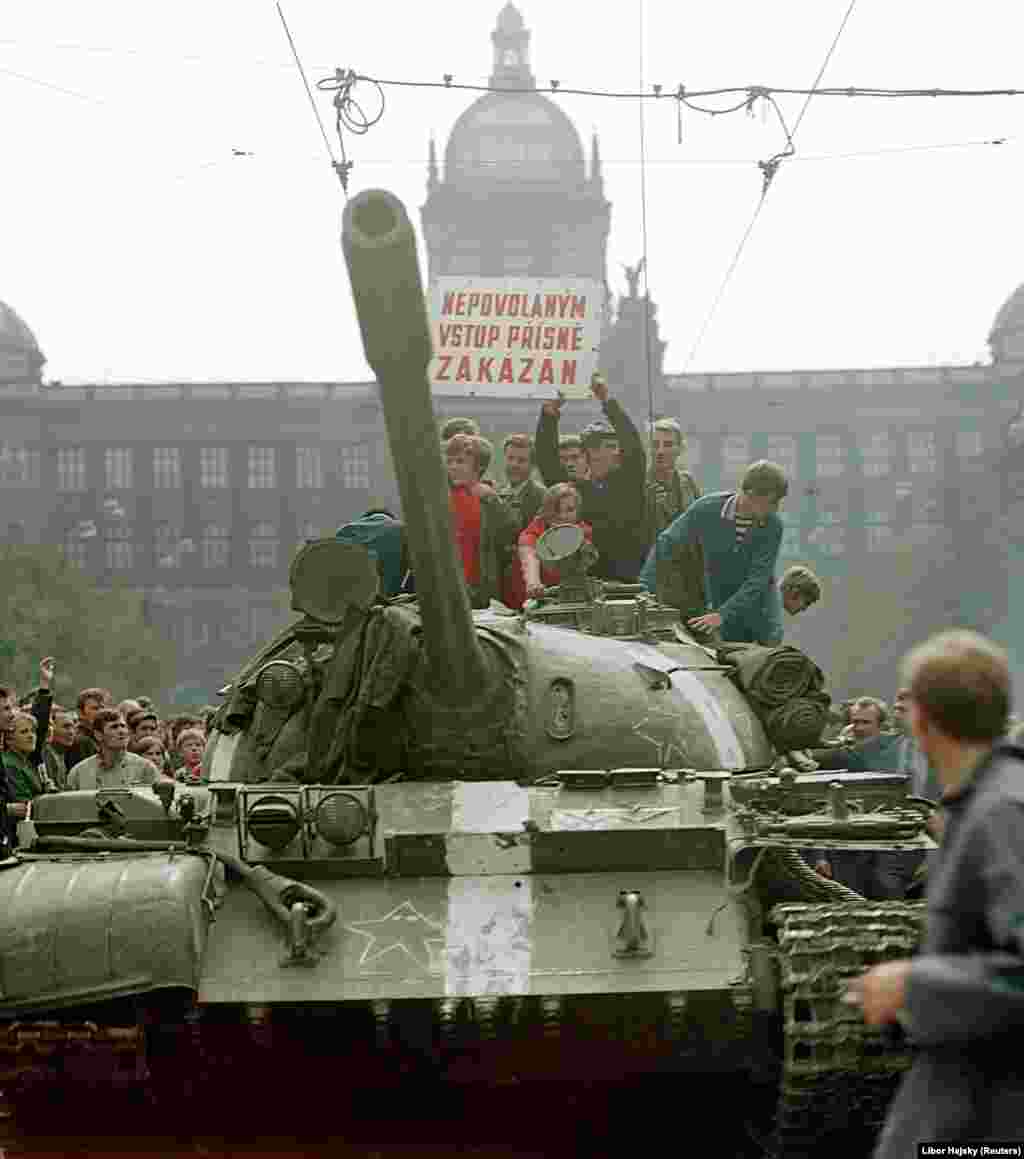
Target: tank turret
(597, 676)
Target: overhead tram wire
(643, 234)
(658, 93)
(769, 169)
(341, 168)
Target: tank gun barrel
(379, 245)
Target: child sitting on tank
(559, 507)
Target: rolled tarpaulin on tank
(771, 677)
(797, 724)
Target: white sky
(137, 247)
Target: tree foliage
(98, 636)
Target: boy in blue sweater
(740, 533)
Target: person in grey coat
(961, 1001)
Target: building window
(167, 546)
(309, 473)
(120, 549)
(216, 546)
(781, 449)
(75, 545)
(262, 468)
(355, 466)
(925, 506)
(879, 537)
(19, 467)
(829, 540)
(166, 467)
(263, 545)
(197, 632)
(119, 468)
(735, 459)
(828, 456)
(970, 447)
(464, 264)
(921, 452)
(213, 466)
(875, 453)
(71, 469)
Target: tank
(480, 845)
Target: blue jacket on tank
(739, 578)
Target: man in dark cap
(612, 498)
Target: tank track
(838, 1075)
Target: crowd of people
(713, 557)
(46, 747)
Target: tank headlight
(340, 818)
(280, 685)
(273, 821)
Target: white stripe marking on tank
(489, 807)
(223, 754)
(487, 936)
(488, 834)
(718, 724)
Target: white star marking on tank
(420, 938)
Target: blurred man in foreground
(962, 1000)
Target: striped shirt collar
(729, 511)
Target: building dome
(1006, 338)
(514, 137)
(21, 360)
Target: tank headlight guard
(340, 818)
(274, 821)
(280, 685)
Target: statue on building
(633, 276)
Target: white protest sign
(515, 337)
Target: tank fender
(90, 928)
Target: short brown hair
(673, 428)
(175, 726)
(524, 442)
(474, 445)
(459, 427)
(103, 695)
(961, 682)
(104, 717)
(461, 444)
(871, 702)
(189, 734)
(552, 497)
(766, 479)
(803, 582)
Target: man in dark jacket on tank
(961, 1001)
(613, 498)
